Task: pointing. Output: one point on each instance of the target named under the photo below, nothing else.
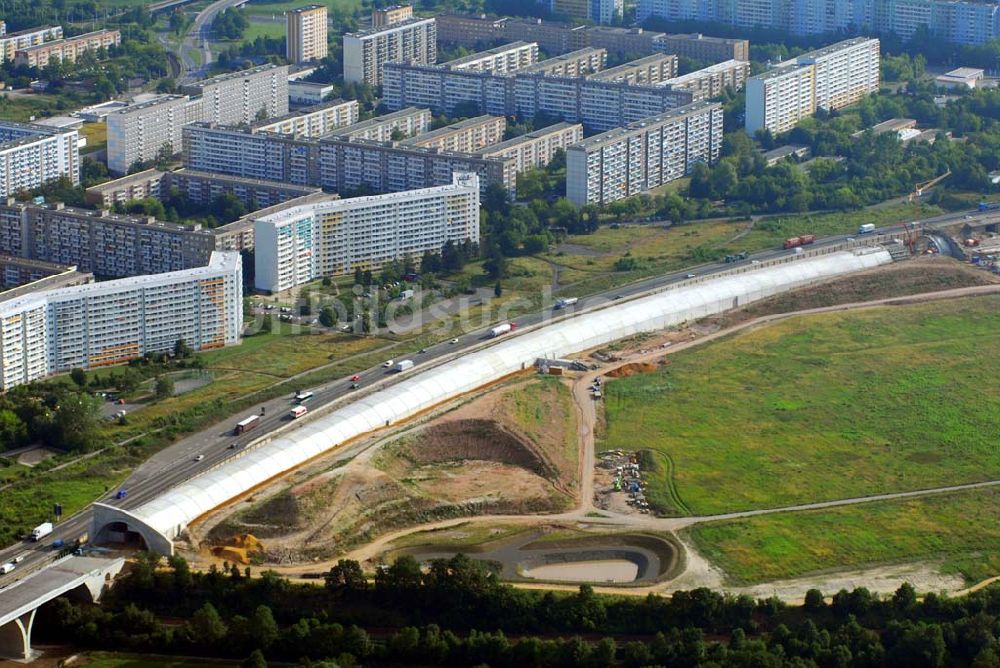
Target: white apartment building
(30, 155)
(466, 136)
(138, 132)
(306, 34)
(712, 80)
(302, 243)
(578, 63)
(649, 70)
(536, 149)
(644, 155)
(499, 60)
(314, 121)
(829, 78)
(12, 42)
(411, 41)
(240, 97)
(112, 322)
(411, 122)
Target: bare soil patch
(633, 369)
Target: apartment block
(147, 183)
(573, 64)
(702, 47)
(466, 136)
(649, 70)
(353, 164)
(498, 60)
(410, 41)
(12, 42)
(308, 92)
(339, 163)
(31, 155)
(305, 242)
(829, 78)
(66, 50)
(238, 235)
(598, 11)
(306, 29)
(16, 272)
(536, 149)
(410, 121)
(388, 16)
(471, 30)
(139, 132)
(242, 97)
(314, 121)
(239, 151)
(599, 105)
(100, 242)
(643, 155)
(712, 80)
(112, 322)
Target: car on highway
(121, 494)
(7, 568)
(233, 446)
(690, 276)
(617, 297)
(454, 341)
(354, 386)
(387, 363)
(198, 458)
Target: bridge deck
(46, 584)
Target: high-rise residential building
(643, 155)
(408, 122)
(536, 149)
(599, 105)
(387, 16)
(702, 47)
(466, 136)
(957, 21)
(498, 60)
(112, 322)
(12, 42)
(100, 242)
(31, 154)
(138, 132)
(301, 243)
(712, 80)
(307, 36)
(242, 97)
(410, 41)
(316, 121)
(829, 78)
(649, 70)
(339, 163)
(598, 11)
(66, 50)
(578, 63)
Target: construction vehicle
(920, 188)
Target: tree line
(456, 612)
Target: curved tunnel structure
(162, 519)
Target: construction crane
(918, 189)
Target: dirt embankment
(916, 276)
(631, 369)
(488, 456)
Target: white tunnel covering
(170, 513)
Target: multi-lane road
(209, 447)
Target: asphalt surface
(177, 463)
(199, 36)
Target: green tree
(13, 431)
(255, 660)
(327, 317)
(262, 626)
(78, 376)
(181, 349)
(77, 422)
(206, 626)
(497, 289)
(347, 574)
(266, 324)
(164, 387)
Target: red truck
(795, 242)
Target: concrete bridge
(84, 577)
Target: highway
(199, 36)
(177, 463)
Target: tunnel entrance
(119, 534)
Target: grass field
(539, 405)
(587, 265)
(279, 8)
(959, 530)
(97, 136)
(822, 407)
(110, 660)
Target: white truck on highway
(41, 531)
(7, 568)
(403, 365)
(867, 228)
(567, 301)
(500, 330)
